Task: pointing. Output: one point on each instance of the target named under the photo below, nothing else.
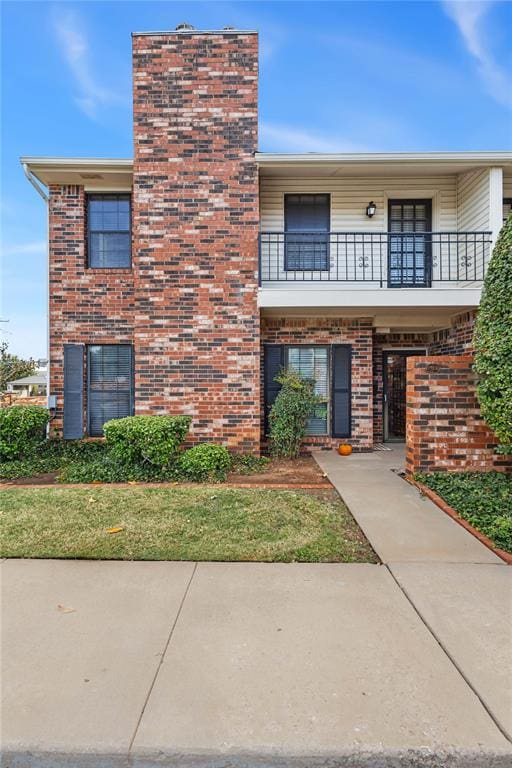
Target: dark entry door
(410, 249)
(395, 379)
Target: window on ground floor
(330, 367)
(109, 384)
(313, 363)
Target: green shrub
(493, 341)
(143, 440)
(484, 499)
(22, 429)
(205, 462)
(290, 412)
(51, 456)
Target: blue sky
(333, 76)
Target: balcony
(374, 259)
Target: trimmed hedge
(143, 440)
(493, 342)
(22, 429)
(206, 461)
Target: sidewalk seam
(162, 656)
(447, 653)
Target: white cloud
(285, 138)
(469, 19)
(91, 95)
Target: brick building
(182, 280)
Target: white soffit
(89, 172)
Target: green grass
(194, 523)
(484, 499)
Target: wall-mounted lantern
(370, 209)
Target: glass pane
(109, 249)
(313, 363)
(109, 213)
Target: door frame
(405, 352)
(429, 201)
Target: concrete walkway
(177, 664)
(400, 524)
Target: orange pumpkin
(344, 449)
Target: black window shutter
(273, 361)
(73, 391)
(341, 390)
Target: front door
(395, 379)
(410, 249)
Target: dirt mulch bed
(303, 472)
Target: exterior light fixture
(370, 209)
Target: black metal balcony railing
(390, 259)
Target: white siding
(507, 185)
(350, 196)
(473, 196)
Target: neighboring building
(28, 386)
(182, 280)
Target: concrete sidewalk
(175, 664)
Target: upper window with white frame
(109, 231)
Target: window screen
(307, 223)
(313, 363)
(109, 236)
(110, 385)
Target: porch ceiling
(388, 319)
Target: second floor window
(307, 222)
(108, 231)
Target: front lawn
(182, 523)
(484, 499)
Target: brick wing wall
(195, 223)
(445, 430)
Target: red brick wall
(195, 221)
(357, 333)
(380, 343)
(87, 306)
(445, 430)
(457, 339)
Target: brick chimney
(195, 229)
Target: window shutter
(273, 361)
(341, 390)
(110, 385)
(73, 391)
